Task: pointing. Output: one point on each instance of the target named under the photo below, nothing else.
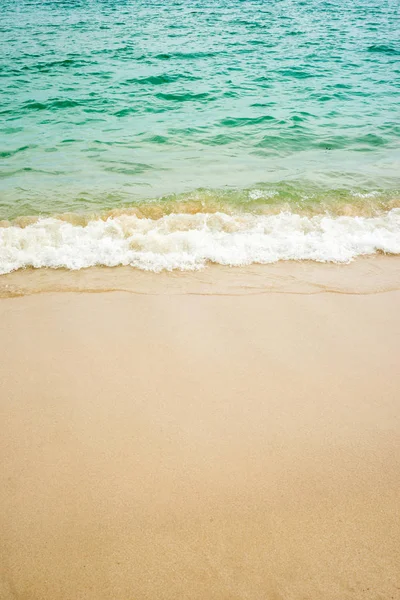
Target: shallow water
(235, 107)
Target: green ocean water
(110, 102)
(188, 106)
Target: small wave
(124, 112)
(45, 67)
(190, 241)
(185, 55)
(383, 49)
(31, 105)
(245, 121)
(182, 97)
(156, 139)
(58, 103)
(63, 103)
(162, 79)
(10, 153)
(297, 73)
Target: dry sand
(163, 446)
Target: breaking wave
(190, 241)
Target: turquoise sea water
(251, 107)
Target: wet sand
(166, 446)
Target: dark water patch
(95, 74)
(244, 50)
(250, 24)
(10, 153)
(246, 121)
(163, 56)
(263, 104)
(71, 141)
(32, 105)
(297, 119)
(264, 43)
(108, 142)
(383, 49)
(306, 115)
(322, 97)
(124, 112)
(45, 67)
(162, 79)
(63, 103)
(264, 79)
(56, 104)
(122, 53)
(185, 55)
(156, 139)
(297, 73)
(230, 94)
(182, 97)
(6, 72)
(177, 26)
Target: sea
(170, 135)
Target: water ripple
(127, 101)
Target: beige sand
(200, 447)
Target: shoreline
(190, 242)
(364, 275)
(176, 444)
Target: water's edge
(365, 275)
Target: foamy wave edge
(190, 241)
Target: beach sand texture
(162, 446)
(199, 300)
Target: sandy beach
(200, 446)
(199, 300)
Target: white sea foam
(265, 194)
(373, 194)
(188, 242)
